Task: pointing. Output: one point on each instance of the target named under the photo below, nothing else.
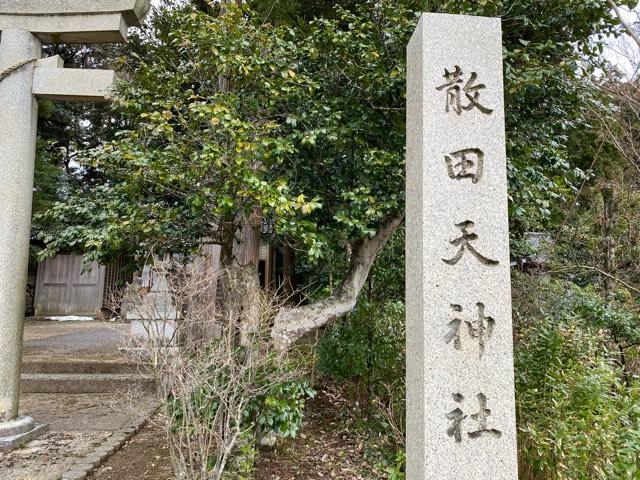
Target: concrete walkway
(69, 341)
(80, 424)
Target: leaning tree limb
(628, 28)
(293, 323)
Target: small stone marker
(24, 77)
(460, 386)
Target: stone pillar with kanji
(460, 383)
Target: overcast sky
(623, 51)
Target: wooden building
(66, 286)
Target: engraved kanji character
(480, 329)
(467, 163)
(464, 242)
(482, 420)
(457, 419)
(456, 416)
(454, 79)
(454, 325)
(455, 91)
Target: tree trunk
(609, 211)
(202, 309)
(609, 202)
(289, 287)
(292, 324)
(241, 254)
(241, 285)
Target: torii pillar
(25, 77)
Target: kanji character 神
(480, 329)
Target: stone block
(73, 84)
(18, 426)
(95, 459)
(460, 385)
(79, 471)
(19, 439)
(104, 28)
(74, 21)
(85, 383)
(75, 475)
(134, 11)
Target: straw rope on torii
(4, 74)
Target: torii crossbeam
(25, 77)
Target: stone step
(80, 367)
(85, 383)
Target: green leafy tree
(232, 121)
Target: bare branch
(601, 272)
(608, 275)
(630, 31)
(206, 382)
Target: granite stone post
(460, 385)
(18, 122)
(23, 79)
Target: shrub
(578, 419)
(368, 350)
(281, 410)
(212, 374)
(367, 347)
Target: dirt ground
(330, 446)
(327, 448)
(144, 457)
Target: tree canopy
(312, 127)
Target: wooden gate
(63, 288)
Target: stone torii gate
(25, 77)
